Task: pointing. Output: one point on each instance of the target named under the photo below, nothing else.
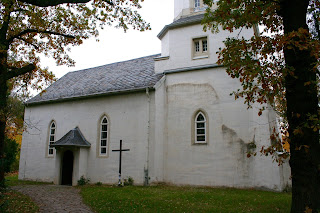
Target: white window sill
(200, 143)
(200, 9)
(200, 57)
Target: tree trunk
(3, 110)
(302, 101)
(3, 96)
(3, 106)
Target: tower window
(200, 48)
(204, 45)
(199, 6)
(197, 46)
(196, 3)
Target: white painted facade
(86, 114)
(157, 125)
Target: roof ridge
(118, 62)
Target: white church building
(172, 110)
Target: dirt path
(55, 198)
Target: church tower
(185, 44)
(183, 8)
(203, 133)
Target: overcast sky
(115, 45)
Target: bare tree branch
(15, 72)
(35, 46)
(18, 36)
(46, 3)
(275, 1)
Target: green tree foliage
(11, 149)
(279, 67)
(50, 27)
(15, 116)
(15, 126)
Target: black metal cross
(120, 156)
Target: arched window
(103, 136)
(200, 128)
(52, 137)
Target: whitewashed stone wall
(223, 161)
(178, 45)
(128, 114)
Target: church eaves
(127, 76)
(181, 22)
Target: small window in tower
(197, 46)
(204, 45)
(200, 6)
(200, 49)
(196, 3)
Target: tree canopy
(278, 67)
(29, 28)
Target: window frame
(54, 135)
(199, 6)
(101, 130)
(196, 3)
(197, 134)
(200, 47)
(194, 132)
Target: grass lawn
(161, 198)
(182, 199)
(12, 180)
(19, 203)
(16, 202)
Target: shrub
(128, 182)
(83, 181)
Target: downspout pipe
(146, 169)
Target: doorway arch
(67, 168)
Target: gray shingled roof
(117, 77)
(189, 20)
(73, 138)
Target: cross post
(120, 157)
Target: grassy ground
(182, 199)
(12, 180)
(162, 199)
(19, 203)
(16, 202)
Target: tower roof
(189, 20)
